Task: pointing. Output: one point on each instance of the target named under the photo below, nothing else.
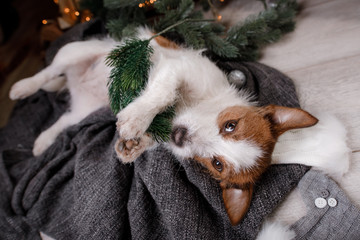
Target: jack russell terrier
(215, 123)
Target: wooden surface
(322, 56)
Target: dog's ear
(237, 202)
(285, 118)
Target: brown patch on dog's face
(224, 172)
(237, 187)
(260, 126)
(248, 123)
(240, 123)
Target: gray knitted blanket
(78, 189)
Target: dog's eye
(217, 164)
(230, 126)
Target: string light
(214, 10)
(69, 14)
(47, 21)
(146, 3)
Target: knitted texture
(79, 190)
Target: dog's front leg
(135, 119)
(129, 150)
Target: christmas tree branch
(131, 62)
(179, 23)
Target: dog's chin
(184, 152)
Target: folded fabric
(78, 189)
(331, 215)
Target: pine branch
(130, 66)
(191, 35)
(130, 62)
(257, 31)
(124, 21)
(164, 6)
(160, 128)
(249, 37)
(174, 11)
(221, 47)
(119, 29)
(96, 7)
(120, 3)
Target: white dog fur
(201, 92)
(322, 146)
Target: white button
(320, 202)
(332, 202)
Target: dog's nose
(179, 135)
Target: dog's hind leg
(47, 138)
(30, 85)
(81, 106)
(52, 78)
(55, 84)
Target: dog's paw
(132, 122)
(22, 89)
(129, 150)
(42, 143)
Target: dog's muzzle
(179, 135)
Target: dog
(215, 123)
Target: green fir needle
(131, 63)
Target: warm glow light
(66, 10)
(44, 21)
(77, 13)
(87, 19)
(219, 17)
(146, 3)
(56, 1)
